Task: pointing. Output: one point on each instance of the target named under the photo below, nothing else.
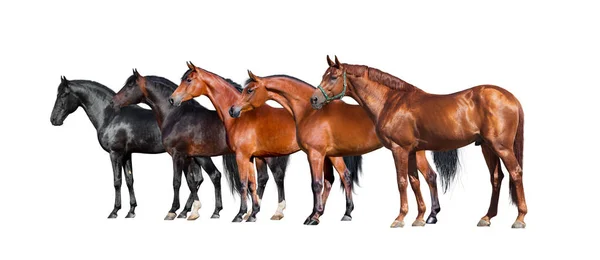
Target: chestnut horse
(408, 120)
(192, 130)
(266, 131)
(326, 132)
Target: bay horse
(132, 129)
(408, 120)
(327, 132)
(188, 131)
(265, 131)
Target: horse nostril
(171, 101)
(313, 100)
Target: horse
(192, 130)
(326, 132)
(408, 120)
(265, 131)
(120, 133)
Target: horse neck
(222, 95)
(370, 95)
(157, 98)
(293, 96)
(95, 103)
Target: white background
(56, 182)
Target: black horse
(192, 130)
(130, 130)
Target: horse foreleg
(328, 180)
(177, 169)
(415, 184)
(116, 160)
(401, 161)
(316, 168)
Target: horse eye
(250, 90)
(189, 80)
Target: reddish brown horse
(326, 132)
(408, 120)
(266, 131)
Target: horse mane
(380, 77)
(228, 80)
(281, 76)
(89, 85)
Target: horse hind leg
(512, 165)
(496, 176)
(215, 177)
(194, 178)
(278, 166)
(346, 179)
(431, 178)
(262, 176)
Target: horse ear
(63, 79)
(191, 65)
(252, 76)
(136, 73)
(337, 62)
(329, 61)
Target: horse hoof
(397, 224)
(277, 217)
(193, 216)
(483, 223)
(182, 215)
(431, 220)
(518, 224)
(112, 215)
(170, 216)
(215, 215)
(312, 222)
(130, 215)
(346, 218)
(418, 223)
(237, 218)
(251, 219)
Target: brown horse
(266, 131)
(326, 132)
(408, 120)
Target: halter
(338, 96)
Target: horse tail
(232, 173)
(354, 166)
(446, 163)
(278, 166)
(518, 150)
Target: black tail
(518, 150)
(278, 165)
(446, 162)
(354, 166)
(232, 173)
